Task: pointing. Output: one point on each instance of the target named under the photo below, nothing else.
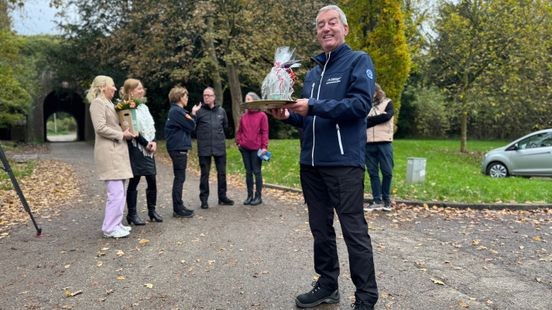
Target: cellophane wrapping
(278, 84)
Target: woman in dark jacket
(178, 129)
(141, 150)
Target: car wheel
(497, 170)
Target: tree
(518, 85)
(14, 98)
(377, 27)
(224, 43)
(476, 42)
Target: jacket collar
(340, 50)
(206, 107)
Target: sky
(36, 17)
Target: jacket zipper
(339, 139)
(318, 96)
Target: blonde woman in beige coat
(110, 154)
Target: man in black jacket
(212, 126)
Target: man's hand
(301, 107)
(196, 108)
(128, 135)
(280, 114)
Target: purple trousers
(114, 206)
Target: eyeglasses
(208, 95)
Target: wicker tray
(264, 105)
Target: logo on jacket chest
(333, 80)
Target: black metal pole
(8, 169)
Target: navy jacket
(178, 129)
(340, 91)
(212, 126)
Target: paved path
(244, 257)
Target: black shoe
(359, 305)
(135, 219)
(183, 213)
(248, 200)
(257, 200)
(317, 296)
(226, 201)
(154, 216)
(204, 205)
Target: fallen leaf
(143, 242)
(437, 281)
(68, 293)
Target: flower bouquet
(126, 109)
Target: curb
(444, 204)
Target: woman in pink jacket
(252, 140)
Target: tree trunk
(215, 72)
(464, 132)
(235, 92)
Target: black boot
(257, 200)
(151, 198)
(132, 216)
(249, 196)
(248, 200)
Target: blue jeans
(380, 156)
(252, 164)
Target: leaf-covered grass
(19, 169)
(450, 175)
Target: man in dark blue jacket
(333, 118)
(178, 129)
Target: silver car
(528, 156)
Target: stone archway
(68, 101)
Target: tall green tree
(475, 56)
(224, 43)
(14, 97)
(378, 27)
(518, 84)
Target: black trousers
(179, 161)
(205, 167)
(341, 189)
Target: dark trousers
(179, 161)
(205, 167)
(342, 189)
(252, 164)
(150, 179)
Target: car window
(547, 140)
(535, 141)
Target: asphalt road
(243, 257)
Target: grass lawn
(450, 175)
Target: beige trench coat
(110, 148)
